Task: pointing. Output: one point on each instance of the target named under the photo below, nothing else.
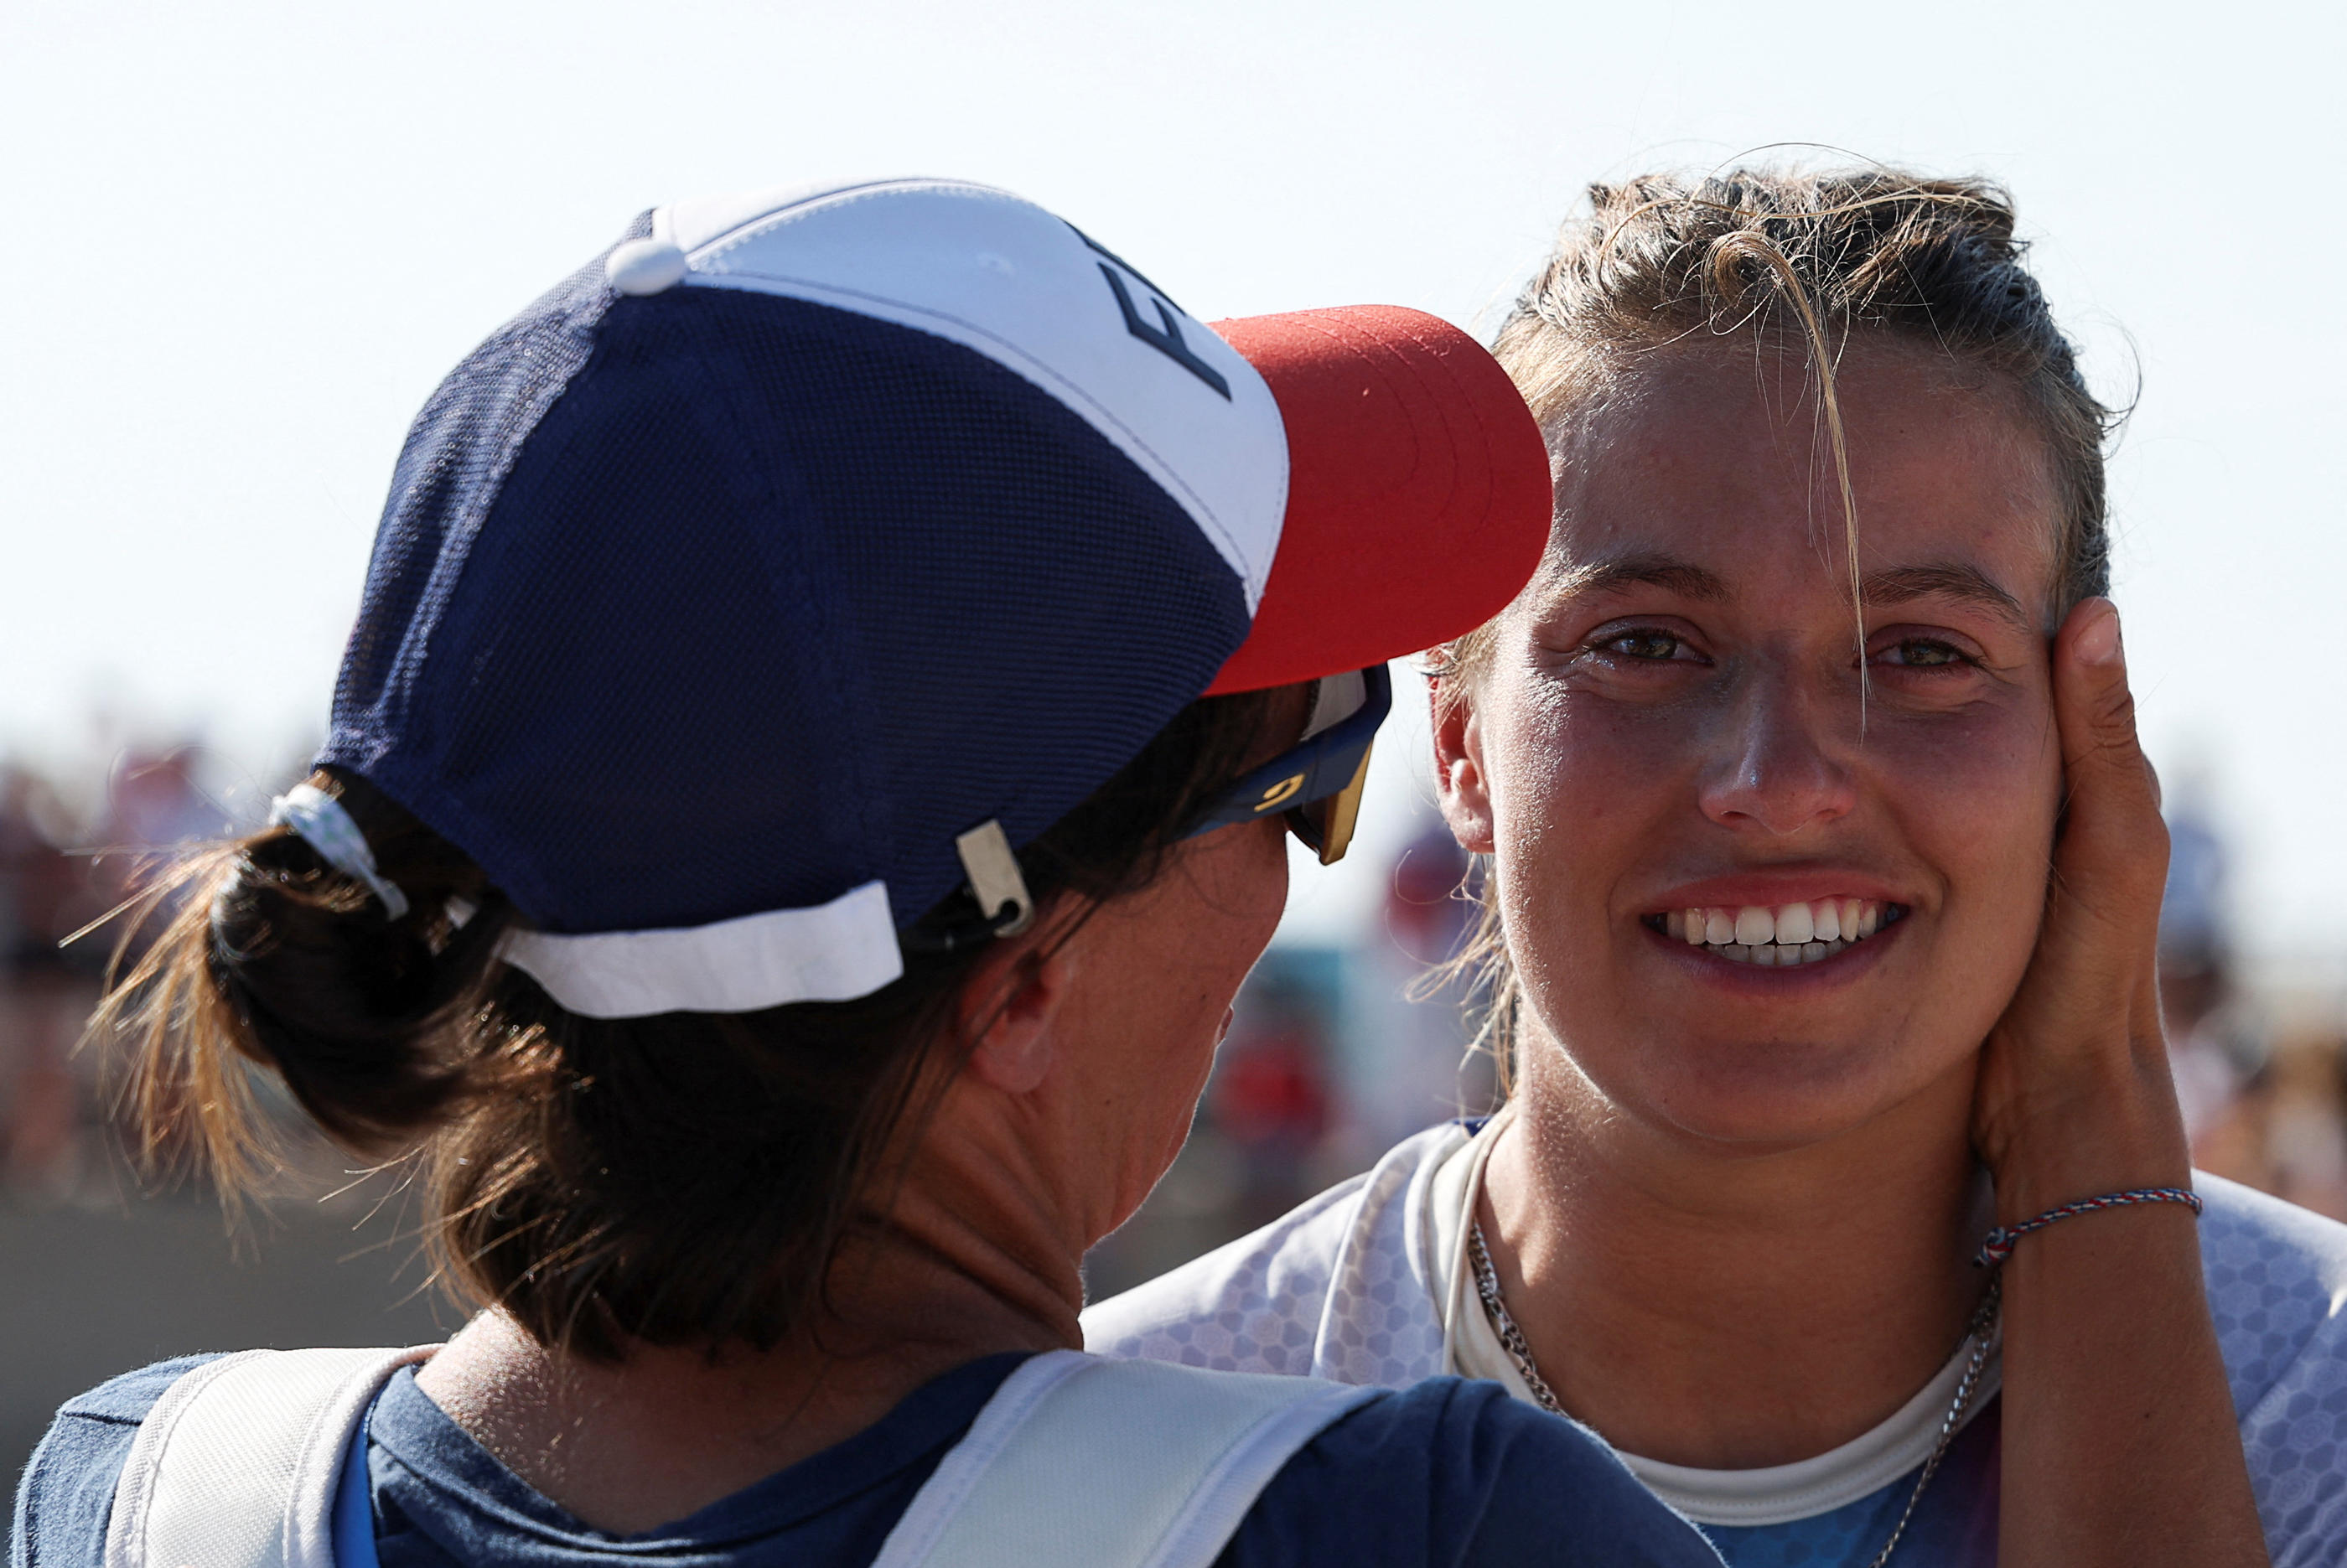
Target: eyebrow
(1899, 585)
(1650, 571)
(1945, 580)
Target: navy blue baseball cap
(793, 563)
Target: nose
(1778, 771)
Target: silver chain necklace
(1979, 1331)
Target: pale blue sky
(248, 239)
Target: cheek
(1577, 785)
(1977, 797)
(1242, 900)
(1240, 891)
(1582, 791)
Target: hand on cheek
(2073, 1088)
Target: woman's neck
(1724, 1307)
(966, 1268)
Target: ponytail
(268, 955)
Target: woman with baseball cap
(807, 780)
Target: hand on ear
(1009, 1003)
(1459, 780)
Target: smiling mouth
(1781, 936)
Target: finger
(2114, 842)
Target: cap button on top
(644, 266)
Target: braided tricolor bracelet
(1999, 1245)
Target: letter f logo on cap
(1166, 337)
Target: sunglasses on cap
(1315, 784)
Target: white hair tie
(323, 823)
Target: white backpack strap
(1081, 1462)
(235, 1466)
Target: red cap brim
(1418, 490)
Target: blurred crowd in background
(68, 855)
(1329, 1059)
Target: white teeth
(1774, 938)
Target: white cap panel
(1004, 278)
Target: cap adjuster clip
(994, 878)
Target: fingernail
(2098, 643)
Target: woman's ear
(1009, 1004)
(1460, 783)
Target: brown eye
(1654, 646)
(1920, 653)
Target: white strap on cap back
(1003, 277)
(833, 952)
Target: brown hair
(685, 1179)
(1812, 259)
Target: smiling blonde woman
(1768, 766)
